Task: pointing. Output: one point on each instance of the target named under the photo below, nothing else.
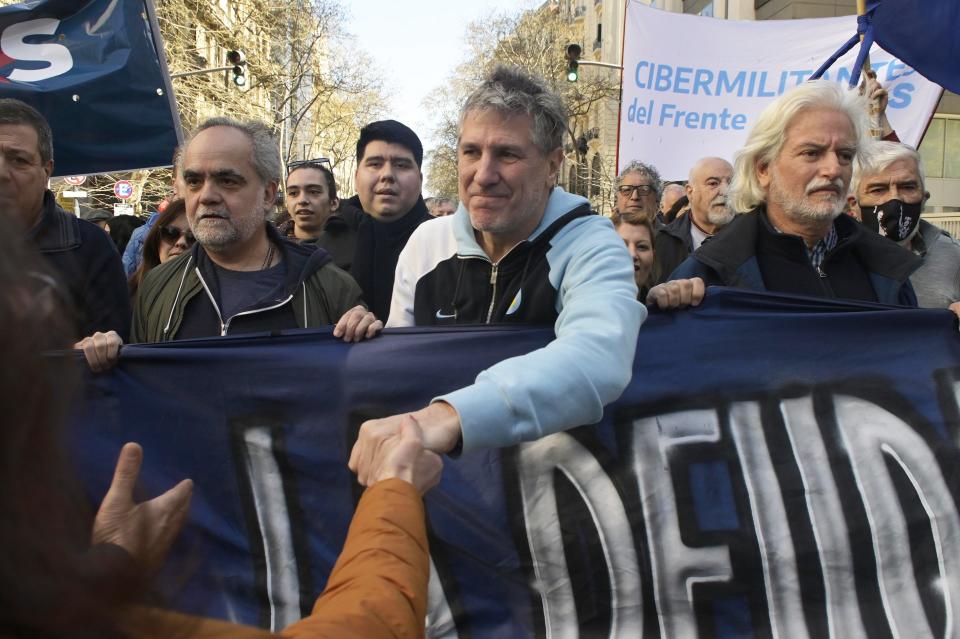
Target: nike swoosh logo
(444, 316)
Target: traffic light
(573, 66)
(238, 60)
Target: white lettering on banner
(440, 623)
(536, 464)
(770, 520)
(724, 75)
(827, 516)
(270, 502)
(871, 434)
(838, 448)
(57, 56)
(675, 565)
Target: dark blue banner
(96, 71)
(922, 34)
(777, 467)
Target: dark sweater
(87, 265)
(377, 251)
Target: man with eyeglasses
(316, 216)
(83, 257)
(706, 191)
(638, 191)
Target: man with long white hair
(790, 184)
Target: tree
(304, 76)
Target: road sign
(74, 194)
(123, 189)
(75, 180)
(123, 209)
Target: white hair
(877, 155)
(767, 136)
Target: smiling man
(241, 276)
(791, 179)
(518, 250)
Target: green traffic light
(573, 75)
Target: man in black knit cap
(388, 182)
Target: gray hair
(510, 91)
(266, 151)
(878, 155)
(14, 111)
(766, 138)
(669, 187)
(649, 170)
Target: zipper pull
(493, 274)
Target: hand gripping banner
(778, 466)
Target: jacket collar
(301, 260)
(57, 230)
(738, 244)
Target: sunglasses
(172, 234)
(316, 163)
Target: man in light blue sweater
(519, 249)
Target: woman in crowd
(168, 237)
(636, 231)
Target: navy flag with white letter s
(96, 71)
(778, 466)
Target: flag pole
(876, 127)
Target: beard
(219, 234)
(803, 208)
(717, 216)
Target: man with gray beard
(791, 179)
(706, 191)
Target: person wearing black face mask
(887, 195)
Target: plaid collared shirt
(821, 248)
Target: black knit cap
(392, 132)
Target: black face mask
(893, 219)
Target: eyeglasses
(316, 163)
(172, 234)
(627, 190)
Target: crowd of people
(809, 206)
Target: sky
(417, 45)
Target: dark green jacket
(316, 293)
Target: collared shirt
(821, 248)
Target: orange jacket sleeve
(378, 587)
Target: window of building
(940, 148)
(707, 10)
